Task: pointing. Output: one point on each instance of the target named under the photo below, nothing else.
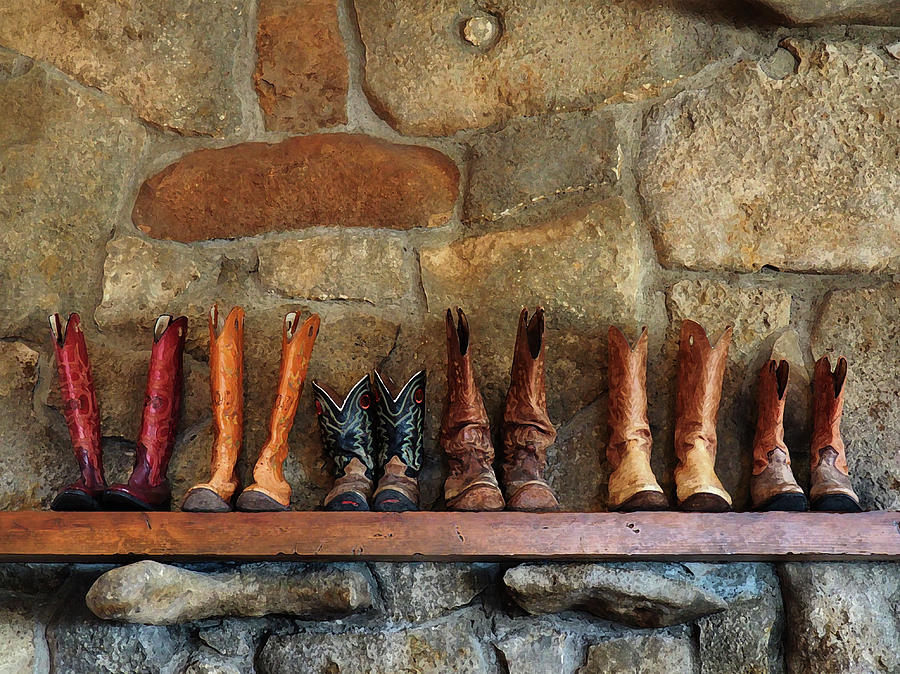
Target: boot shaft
(629, 428)
(347, 426)
(226, 376)
(526, 398)
(400, 422)
(828, 407)
(770, 397)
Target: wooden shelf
(446, 536)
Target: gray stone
(32, 579)
(533, 163)
(661, 652)
(864, 326)
(453, 644)
(67, 154)
(426, 590)
(640, 595)
(425, 78)
(540, 647)
(347, 266)
(145, 592)
(874, 12)
(176, 73)
(842, 617)
(18, 626)
(798, 173)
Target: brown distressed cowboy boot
(527, 430)
(347, 435)
(830, 489)
(465, 432)
(772, 485)
(701, 368)
(632, 485)
(148, 488)
(270, 491)
(76, 384)
(226, 378)
(400, 430)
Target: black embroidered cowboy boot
(399, 427)
(347, 436)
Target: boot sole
(390, 501)
(257, 502)
(705, 503)
(349, 502)
(74, 501)
(123, 501)
(836, 503)
(643, 500)
(204, 501)
(791, 502)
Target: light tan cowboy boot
(465, 433)
(270, 491)
(772, 485)
(632, 484)
(527, 430)
(830, 488)
(226, 377)
(700, 372)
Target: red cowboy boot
(82, 415)
(148, 488)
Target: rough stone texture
(871, 12)
(173, 65)
(759, 314)
(864, 326)
(842, 617)
(534, 162)
(659, 653)
(539, 647)
(799, 172)
(252, 188)
(450, 645)
(421, 591)
(425, 79)
(145, 592)
(301, 68)
(637, 595)
(17, 634)
(350, 266)
(56, 139)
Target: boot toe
(393, 501)
(205, 501)
(74, 500)
(120, 497)
(789, 501)
(836, 503)
(347, 502)
(535, 497)
(255, 501)
(704, 502)
(643, 500)
(479, 498)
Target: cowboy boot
(465, 433)
(400, 429)
(772, 485)
(830, 489)
(346, 428)
(700, 372)
(270, 491)
(527, 431)
(226, 379)
(148, 488)
(76, 384)
(632, 485)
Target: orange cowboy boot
(226, 378)
(465, 432)
(772, 485)
(632, 484)
(701, 368)
(270, 491)
(527, 430)
(830, 489)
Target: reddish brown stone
(333, 179)
(301, 68)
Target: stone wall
(627, 162)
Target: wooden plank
(447, 536)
